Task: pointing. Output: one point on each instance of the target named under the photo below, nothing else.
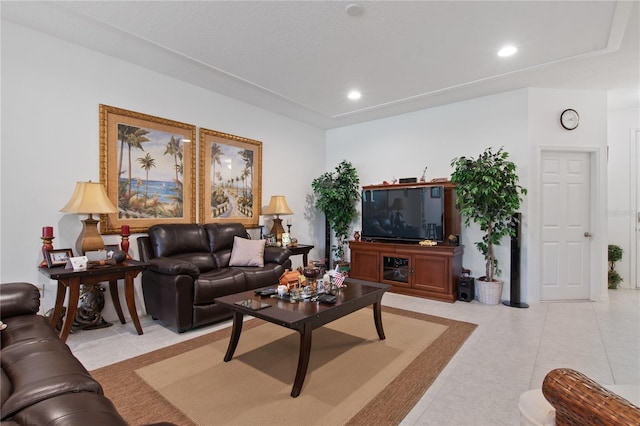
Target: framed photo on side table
(271, 240)
(57, 258)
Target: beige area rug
(353, 378)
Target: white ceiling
(299, 58)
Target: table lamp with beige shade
(277, 206)
(89, 198)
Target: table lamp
(88, 198)
(277, 206)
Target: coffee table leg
(303, 359)
(235, 336)
(377, 318)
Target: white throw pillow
(247, 252)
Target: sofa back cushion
(221, 237)
(188, 242)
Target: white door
(565, 241)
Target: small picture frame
(286, 239)
(435, 192)
(271, 240)
(57, 258)
(111, 249)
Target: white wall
(623, 154)
(50, 96)
(51, 90)
(522, 121)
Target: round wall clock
(569, 119)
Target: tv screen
(405, 214)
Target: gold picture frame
(148, 166)
(230, 188)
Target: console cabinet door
(365, 265)
(396, 270)
(432, 273)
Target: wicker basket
(489, 292)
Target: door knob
(587, 234)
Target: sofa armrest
(19, 299)
(169, 266)
(276, 255)
(578, 400)
(145, 252)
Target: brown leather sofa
(189, 268)
(42, 383)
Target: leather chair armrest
(169, 266)
(19, 299)
(276, 255)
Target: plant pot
(489, 292)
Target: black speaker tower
(515, 263)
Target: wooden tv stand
(412, 269)
(430, 272)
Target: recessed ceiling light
(507, 51)
(354, 9)
(354, 95)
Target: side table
(302, 249)
(92, 276)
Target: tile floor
(510, 352)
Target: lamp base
(89, 239)
(277, 229)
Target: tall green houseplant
(489, 195)
(336, 196)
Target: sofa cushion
(221, 238)
(78, 408)
(220, 282)
(41, 369)
(188, 242)
(5, 387)
(247, 252)
(26, 329)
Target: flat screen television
(407, 214)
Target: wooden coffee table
(304, 317)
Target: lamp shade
(277, 205)
(89, 197)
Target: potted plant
(336, 196)
(489, 195)
(615, 254)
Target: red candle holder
(124, 244)
(47, 245)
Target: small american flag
(338, 279)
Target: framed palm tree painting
(230, 188)
(148, 165)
